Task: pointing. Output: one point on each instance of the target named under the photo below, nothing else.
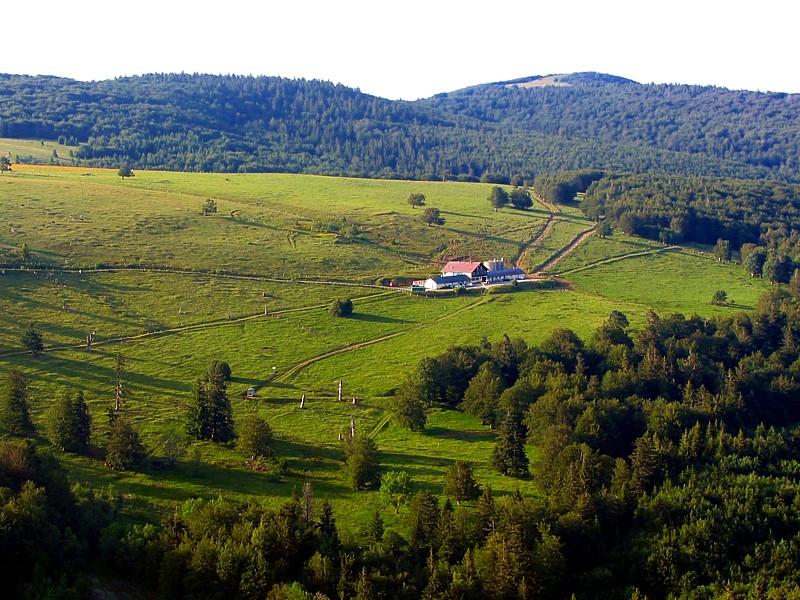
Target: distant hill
(494, 132)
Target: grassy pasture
(169, 325)
(36, 151)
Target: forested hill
(492, 132)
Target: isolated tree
(221, 369)
(509, 451)
(209, 207)
(125, 171)
(125, 449)
(498, 198)
(416, 200)
(14, 412)
(341, 307)
(119, 375)
(520, 198)
(408, 406)
(24, 253)
(720, 298)
(255, 437)
(722, 250)
(432, 216)
(5, 163)
(361, 461)
(69, 424)
(604, 228)
(32, 340)
(395, 489)
(210, 416)
(460, 484)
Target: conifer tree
(125, 448)
(69, 423)
(210, 415)
(460, 484)
(16, 418)
(32, 341)
(509, 451)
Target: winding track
(295, 369)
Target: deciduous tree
(432, 216)
(498, 198)
(255, 437)
(395, 489)
(416, 200)
(361, 462)
(342, 307)
(408, 406)
(520, 198)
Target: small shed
(251, 392)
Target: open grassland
(277, 225)
(36, 151)
(251, 285)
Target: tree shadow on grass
(376, 318)
(462, 436)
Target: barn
(447, 282)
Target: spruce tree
(16, 418)
(509, 451)
(32, 341)
(210, 415)
(460, 484)
(70, 424)
(125, 448)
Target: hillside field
(136, 262)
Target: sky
(410, 49)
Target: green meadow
(135, 262)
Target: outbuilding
(447, 282)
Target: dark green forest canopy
(696, 209)
(493, 132)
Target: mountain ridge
(494, 132)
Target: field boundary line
(620, 257)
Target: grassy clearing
(36, 151)
(169, 325)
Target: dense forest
(755, 222)
(495, 132)
(667, 459)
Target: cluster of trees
(519, 198)
(667, 456)
(49, 530)
(493, 133)
(667, 461)
(696, 209)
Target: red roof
(456, 266)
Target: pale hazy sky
(412, 48)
